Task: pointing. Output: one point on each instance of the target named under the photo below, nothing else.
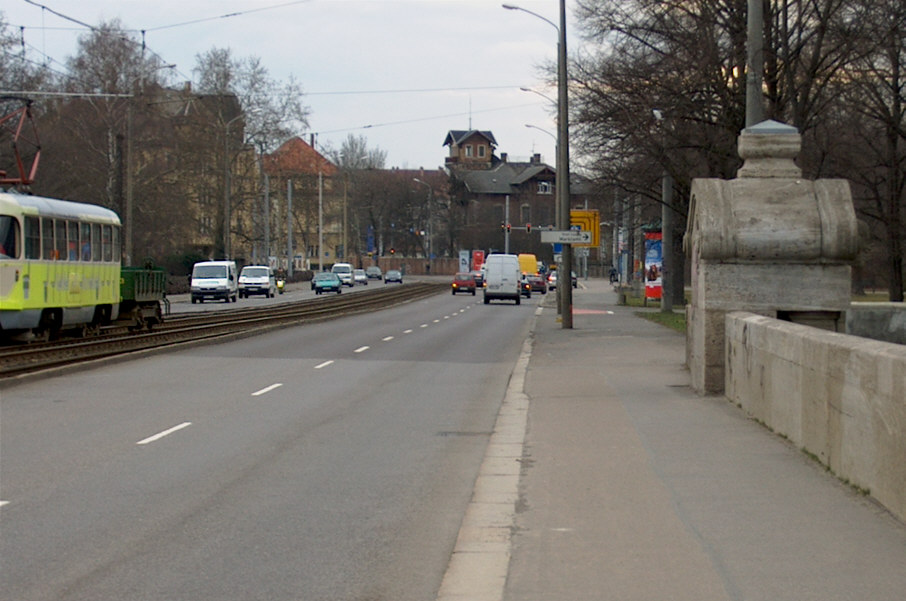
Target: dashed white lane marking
(267, 389)
(424, 325)
(387, 338)
(436, 321)
(407, 331)
(361, 349)
(160, 435)
(2, 503)
(322, 365)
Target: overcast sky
(402, 73)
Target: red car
(463, 282)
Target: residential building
(318, 195)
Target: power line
(420, 119)
(408, 91)
(226, 16)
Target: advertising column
(654, 263)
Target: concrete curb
(478, 567)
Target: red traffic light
(528, 228)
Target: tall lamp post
(565, 292)
(227, 177)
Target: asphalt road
(331, 461)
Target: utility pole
(564, 280)
(289, 228)
(320, 220)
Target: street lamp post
(565, 292)
(227, 177)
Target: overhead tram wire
(227, 15)
(420, 119)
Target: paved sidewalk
(633, 487)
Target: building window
(481, 151)
(545, 188)
(468, 150)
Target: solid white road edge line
(481, 558)
(267, 389)
(160, 435)
(325, 364)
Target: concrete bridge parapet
(767, 242)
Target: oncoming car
(393, 276)
(374, 272)
(327, 282)
(359, 277)
(257, 279)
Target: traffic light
(528, 228)
(502, 226)
(508, 227)
(392, 251)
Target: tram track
(17, 363)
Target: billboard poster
(477, 259)
(463, 260)
(654, 263)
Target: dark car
(539, 284)
(478, 276)
(393, 276)
(373, 272)
(525, 287)
(327, 282)
(463, 282)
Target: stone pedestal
(768, 242)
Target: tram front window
(9, 237)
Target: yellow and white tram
(59, 264)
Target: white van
(501, 278)
(214, 280)
(257, 279)
(344, 271)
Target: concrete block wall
(839, 397)
(878, 321)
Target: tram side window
(47, 239)
(85, 237)
(59, 239)
(95, 242)
(107, 242)
(73, 240)
(32, 238)
(117, 248)
(9, 237)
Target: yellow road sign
(589, 221)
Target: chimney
(503, 156)
(536, 159)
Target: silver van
(216, 280)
